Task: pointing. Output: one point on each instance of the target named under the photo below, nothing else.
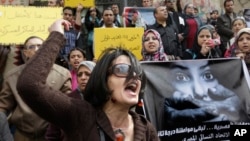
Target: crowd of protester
(177, 34)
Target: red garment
(193, 26)
(74, 79)
(229, 52)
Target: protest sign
(129, 38)
(19, 22)
(74, 3)
(246, 15)
(144, 15)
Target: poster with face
(246, 15)
(196, 99)
(138, 16)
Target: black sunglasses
(123, 70)
(120, 70)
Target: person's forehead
(83, 68)
(161, 8)
(228, 3)
(204, 31)
(67, 11)
(121, 59)
(34, 41)
(192, 65)
(52, 1)
(76, 52)
(238, 21)
(109, 11)
(150, 32)
(245, 34)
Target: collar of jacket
(140, 125)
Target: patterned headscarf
(159, 55)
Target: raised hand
(60, 25)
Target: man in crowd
(118, 18)
(224, 26)
(29, 126)
(108, 18)
(168, 30)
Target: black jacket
(224, 28)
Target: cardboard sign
(129, 38)
(145, 15)
(74, 3)
(19, 22)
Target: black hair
(227, 1)
(97, 91)
(115, 4)
(196, 8)
(87, 15)
(69, 8)
(58, 2)
(76, 48)
(214, 11)
(108, 8)
(156, 9)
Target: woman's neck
(122, 124)
(119, 118)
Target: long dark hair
(87, 21)
(97, 91)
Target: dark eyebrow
(173, 66)
(184, 67)
(204, 66)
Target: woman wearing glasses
(112, 90)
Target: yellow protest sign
(129, 38)
(19, 22)
(74, 3)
